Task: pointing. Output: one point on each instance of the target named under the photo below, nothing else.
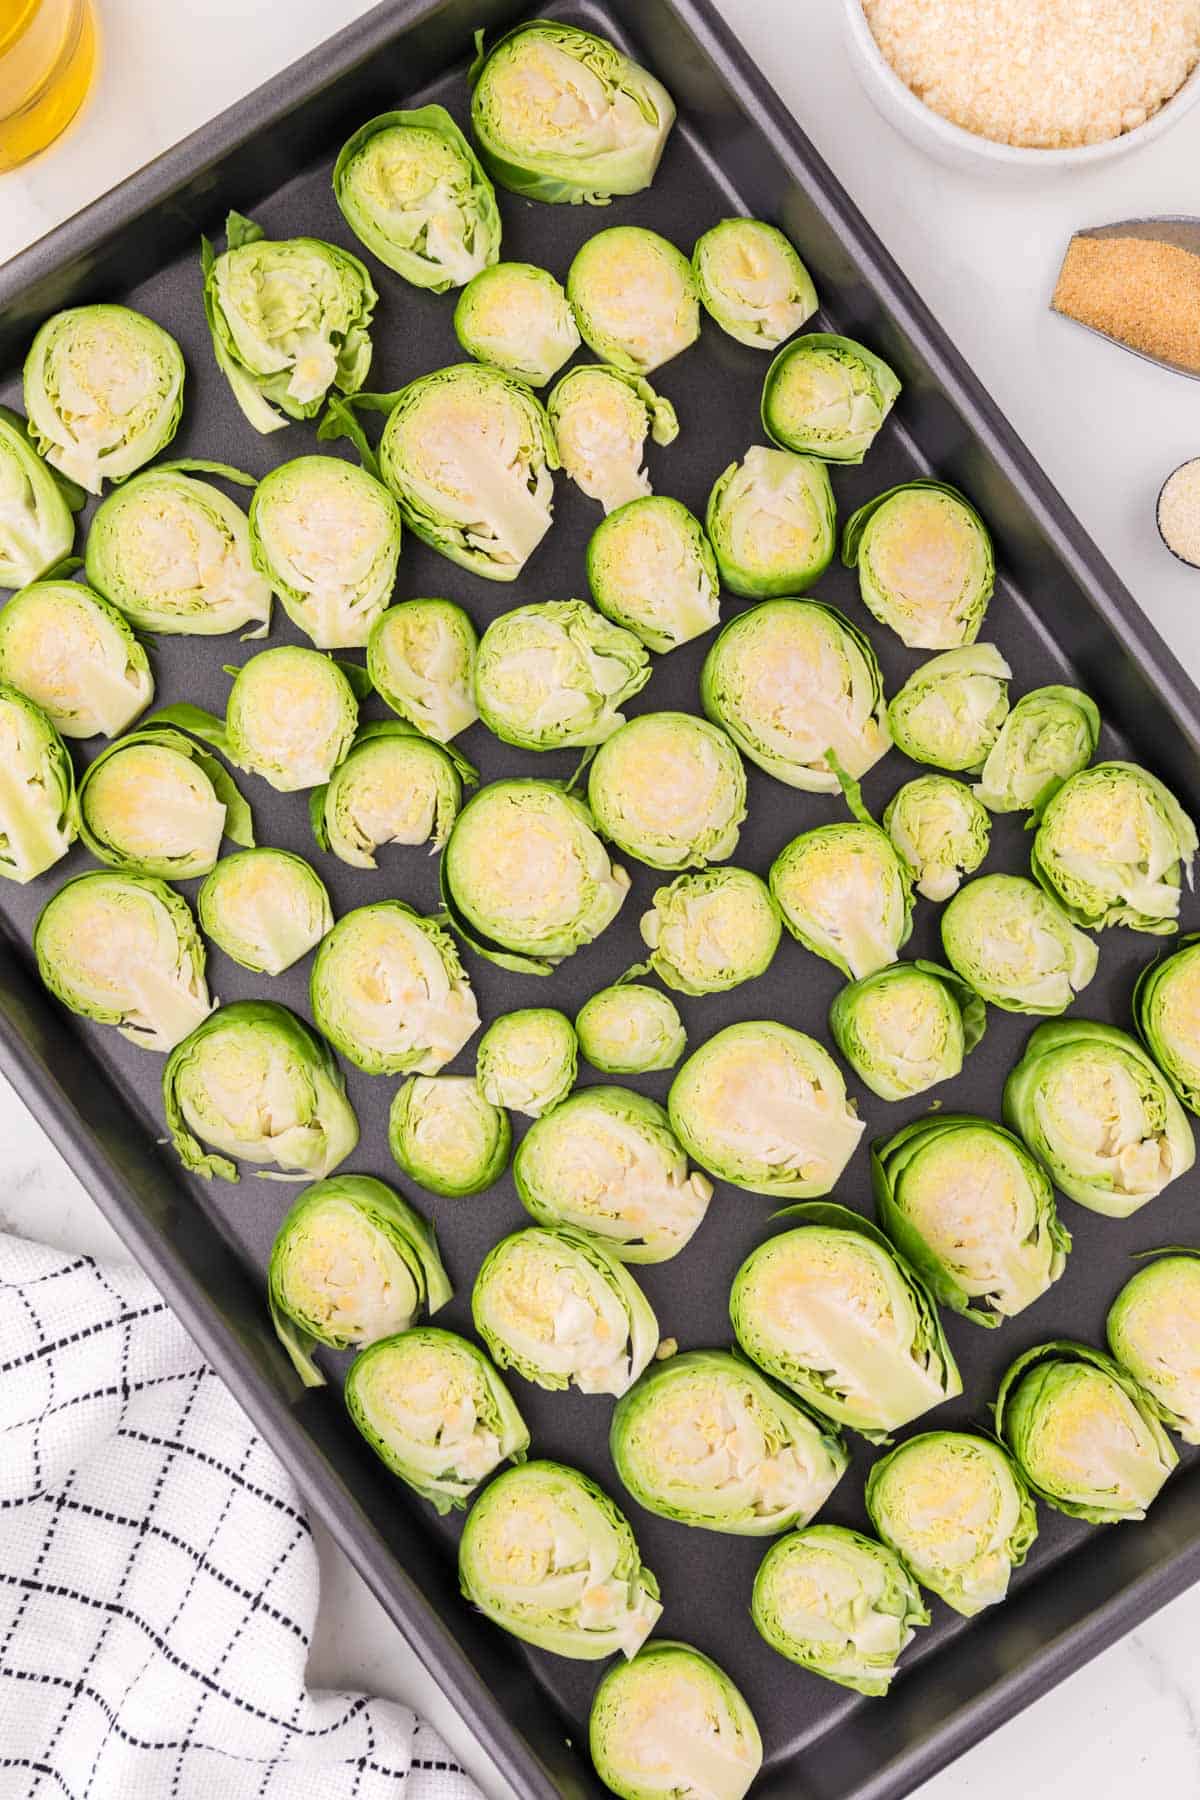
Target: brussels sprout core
(74, 656)
(652, 569)
(670, 790)
(709, 932)
(673, 1717)
(844, 893)
(751, 281)
(390, 993)
(939, 830)
(771, 521)
(827, 396)
(518, 318)
(630, 1029)
(527, 1060)
(634, 298)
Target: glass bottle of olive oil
(47, 56)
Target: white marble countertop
(1106, 427)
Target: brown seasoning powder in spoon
(1143, 292)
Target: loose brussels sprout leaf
(906, 1028)
(553, 675)
(411, 189)
(950, 710)
(265, 909)
(706, 1440)
(795, 685)
(390, 993)
(1016, 946)
(844, 893)
(1085, 1437)
(673, 1716)
(925, 564)
(526, 879)
(1099, 1115)
(1166, 1010)
(1111, 847)
(972, 1211)
(564, 116)
(526, 1060)
(751, 281)
(709, 932)
(39, 816)
(630, 1029)
(601, 419)
(433, 1409)
(74, 656)
(634, 298)
(517, 317)
(651, 568)
(771, 521)
(1050, 734)
(103, 392)
(765, 1107)
(547, 1555)
(124, 950)
(1154, 1333)
(154, 803)
(446, 1135)
(939, 830)
(327, 538)
(954, 1507)
(394, 787)
(669, 789)
(421, 660)
(289, 320)
(606, 1162)
(827, 396)
(37, 528)
(256, 1083)
(839, 1604)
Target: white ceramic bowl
(961, 149)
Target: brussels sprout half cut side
(444, 1133)
(601, 419)
(1166, 1011)
(553, 675)
(925, 564)
(951, 710)
(154, 803)
(1112, 847)
(421, 660)
(906, 1028)
(672, 1709)
(670, 790)
(526, 1060)
(939, 830)
(752, 283)
(1049, 735)
(709, 932)
(651, 568)
(517, 317)
(326, 536)
(771, 521)
(389, 991)
(827, 396)
(634, 298)
(394, 787)
(39, 814)
(74, 655)
(1154, 1333)
(845, 895)
(265, 908)
(630, 1029)
(37, 507)
(1013, 943)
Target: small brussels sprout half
(1112, 846)
(1085, 1437)
(1049, 735)
(553, 675)
(939, 830)
(103, 392)
(394, 787)
(953, 1506)
(672, 1715)
(827, 396)
(1166, 1010)
(606, 1162)
(844, 893)
(839, 1604)
(257, 1083)
(563, 116)
(410, 188)
(951, 710)
(925, 564)
(634, 298)
(630, 1029)
(39, 814)
(1154, 1333)
(421, 660)
(517, 317)
(389, 991)
(711, 931)
(752, 283)
(601, 419)
(527, 1060)
(651, 568)
(906, 1028)
(972, 1211)
(562, 1311)
(669, 789)
(124, 950)
(765, 1107)
(74, 655)
(37, 526)
(154, 803)
(327, 538)
(771, 522)
(446, 1135)
(1016, 946)
(434, 1410)
(706, 1440)
(264, 908)
(1099, 1115)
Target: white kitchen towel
(158, 1581)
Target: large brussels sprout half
(765, 1107)
(906, 1028)
(672, 1720)
(394, 787)
(74, 656)
(950, 710)
(517, 317)
(526, 1060)
(601, 419)
(752, 282)
(839, 1604)
(669, 789)
(940, 830)
(710, 931)
(651, 568)
(445, 1134)
(1016, 946)
(925, 564)
(844, 893)
(771, 519)
(1166, 1008)
(1086, 1438)
(630, 1029)
(39, 815)
(390, 993)
(827, 396)
(634, 298)
(327, 538)
(1154, 1333)
(1099, 1115)
(37, 527)
(955, 1509)
(411, 189)
(154, 803)
(1050, 734)
(264, 908)
(1112, 846)
(256, 1083)
(421, 660)
(972, 1211)
(553, 675)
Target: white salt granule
(1179, 512)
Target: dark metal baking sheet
(1060, 613)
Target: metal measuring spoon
(1176, 229)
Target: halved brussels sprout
(410, 188)
(289, 319)
(940, 830)
(651, 568)
(256, 1082)
(669, 789)
(771, 520)
(951, 710)
(706, 1440)
(421, 660)
(526, 1060)
(564, 116)
(1050, 734)
(124, 950)
(906, 1028)
(446, 1135)
(265, 909)
(1166, 1011)
(827, 396)
(606, 1162)
(1085, 1437)
(765, 1107)
(711, 931)
(74, 655)
(154, 803)
(1100, 1115)
(395, 787)
(925, 563)
(433, 1409)
(672, 1716)
(517, 317)
(327, 538)
(844, 893)
(1112, 846)
(601, 419)
(37, 526)
(972, 1211)
(553, 675)
(1016, 946)
(953, 1506)
(794, 684)
(103, 392)
(388, 990)
(752, 282)
(839, 1604)
(39, 815)
(1154, 1333)
(560, 1309)
(634, 298)
(630, 1029)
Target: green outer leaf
(885, 390)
